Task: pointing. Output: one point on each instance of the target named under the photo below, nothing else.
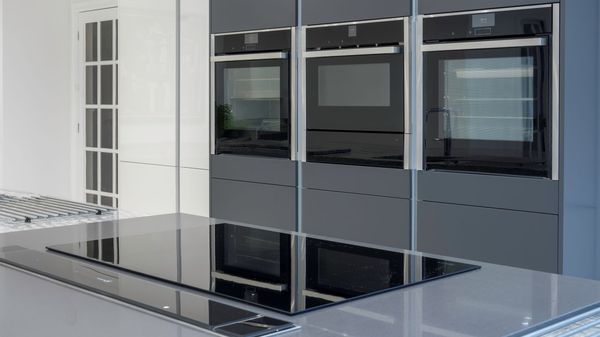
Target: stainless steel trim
(74, 207)
(311, 293)
(250, 57)
(60, 211)
(252, 283)
(491, 44)
(303, 93)
(496, 10)
(253, 31)
(212, 98)
(555, 92)
(71, 211)
(354, 52)
(354, 22)
(20, 212)
(292, 95)
(11, 215)
(407, 100)
(33, 208)
(419, 134)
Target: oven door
(252, 107)
(488, 107)
(355, 106)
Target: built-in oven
(253, 264)
(354, 93)
(251, 97)
(490, 91)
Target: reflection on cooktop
(180, 305)
(288, 273)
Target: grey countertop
(492, 301)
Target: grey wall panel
(516, 193)
(370, 219)
(257, 204)
(241, 15)
(327, 11)
(520, 239)
(357, 179)
(442, 6)
(254, 169)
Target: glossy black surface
(488, 25)
(180, 305)
(255, 42)
(252, 112)
(322, 272)
(489, 111)
(355, 35)
(355, 110)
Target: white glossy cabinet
(147, 189)
(147, 83)
(195, 191)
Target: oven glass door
(488, 110)
(355, 110)
(252, 112)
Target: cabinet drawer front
(256, 204)
(355, 217)
(327, 11)
(519, 239)
(253, 169)
(242, 15)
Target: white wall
(36, 127)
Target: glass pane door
(488, 111)
(252, 108)
(101, 109)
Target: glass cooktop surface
(285, 272)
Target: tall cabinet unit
(253, 143)
(488, 188)
(354, 72)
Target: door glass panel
(91, 128)
(91, 85)
(91, 176)
(107, 172)
(91, 42)
(106, 84)
(355, 85)
(91, 198)
(106, 40)
(106, 120)
(106, 201)
(489, 98)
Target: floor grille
(583, 325)
(29, 208)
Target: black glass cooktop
(287, 273)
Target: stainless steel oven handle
(252, 283)
(492, 44)
(251, 57)
(354, 52)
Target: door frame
(80, 9)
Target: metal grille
(28, 208)
(584, 325)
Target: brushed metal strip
(354, 52)
(251, 57)
(253, 31)
(61, 208)
(483, 11)
(491, 44)
(303, 92)
(61, 212)
(19, 212)
(79, 204)
(407, 99)
(80, 209)
(252, 283)
(359, 22)
(419, 134)
(310, 293)
(30, 207)
(556, 92)
(292, 95)
(212, 119)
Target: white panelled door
(99, 104)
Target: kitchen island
(491, 301)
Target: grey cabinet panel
(357, 179)
(520, 239)
(254, 169)
(241, 15)
(516, 193)
(327, 11)
(362, 218)
(441, 6)
(257, 204)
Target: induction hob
(289, 273)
